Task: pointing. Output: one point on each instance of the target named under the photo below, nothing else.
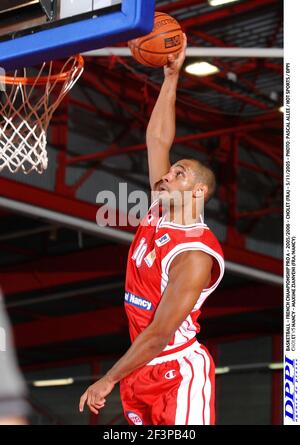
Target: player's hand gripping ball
(154, 48)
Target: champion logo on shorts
(170, 374)
(138, 301)
(134, 418)
(163, 240)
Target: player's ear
(200, 190)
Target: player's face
(180, 178)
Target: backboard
(34, 31)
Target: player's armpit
(189, 274)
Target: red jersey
(157, 242)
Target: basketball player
(166, 377)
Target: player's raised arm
(161, 128)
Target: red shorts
(176, 389)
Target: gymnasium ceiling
(64, 286)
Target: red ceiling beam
(48, 272)
(263, 171)
(52, 201)
(226, 12)
(101, 113)
(90, 171)
(188, 110)
(194, 82)
(71, 327)
(215, 41)
(260, 212)
(268, 150)
(268, 117)
(248, 298)
(241, 68)
(253, 259)
(229, 67)
(119, 97)
(272, 138)
(238, 96)
(180, 4)
(268, 202)
(46, 199)
(179, 140)
(274, 67)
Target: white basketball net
(25, 113)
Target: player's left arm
(189, 274)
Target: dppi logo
(289, 388)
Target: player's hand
(95, 395)
(175, 63)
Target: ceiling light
(223, 370)
(54, 382)
(281, 109)
(276, 366)
(220, 2)
(201, 69)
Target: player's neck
(185, 215)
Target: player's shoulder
(195, 230)
(192, 234)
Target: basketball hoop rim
(43, 80)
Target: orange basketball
(154, 48)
